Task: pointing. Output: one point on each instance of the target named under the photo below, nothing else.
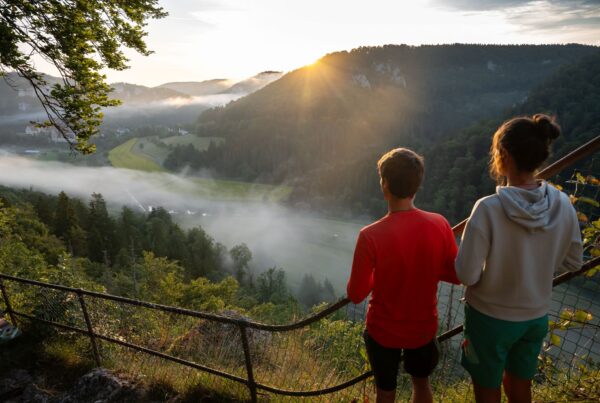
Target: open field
(149, 147)
(145, 155)
(153, 149)
(200, 143)
(123, 156)
(222, 190)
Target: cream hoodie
(514, 242)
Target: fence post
(248, 357)
(9, 309)
(89, 327)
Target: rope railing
(232, 345)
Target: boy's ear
(384, 188)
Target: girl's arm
(574, 258)
(474, 248)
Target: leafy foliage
(144, 256)
(79, 39)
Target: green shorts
(492, 345)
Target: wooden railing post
(248, 358)
(9, 309)
(90, 331)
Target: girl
(514, 242)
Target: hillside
(224, 86)
(169, 104)
(140, 94)
(457, 172)
(195, 88)
(254, 83)
(322, 127)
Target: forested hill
(322, 127)
(457, 172)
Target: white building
(51, 132)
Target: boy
(400, 259)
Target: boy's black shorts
(418, 362)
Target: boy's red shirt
(401, 258)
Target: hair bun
(546, 126)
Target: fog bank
(278, 236)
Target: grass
(200, 143)
(226, 190)
(56, 362)
(234, 190)
(145, 155)
(123, 156)
(147, 148)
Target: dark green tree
(43, 209)
(271, 286)
(64, 216)
(101, 231)
(309, 293)
(241, 256)
(79, 38)
(201, 259)
(328, 291)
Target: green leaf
(566, 314)
(555, 340)
(589, 200)
(583, 316)
(592, 272)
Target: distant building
(48, 132)
(32, 130)
(183, 132)
(29, 92)
(121, 131)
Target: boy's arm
(449, 271)
(473, 250)
(361, 278)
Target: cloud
(479, 5)
(487, 5)
(205, 100)
(561, 20)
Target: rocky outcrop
(98, 386)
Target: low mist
(300, 243)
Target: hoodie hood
(532, 209)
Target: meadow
(200, 143)
(123, 156)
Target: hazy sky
(204, 39)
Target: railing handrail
(590, 264)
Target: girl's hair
(526, 139)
